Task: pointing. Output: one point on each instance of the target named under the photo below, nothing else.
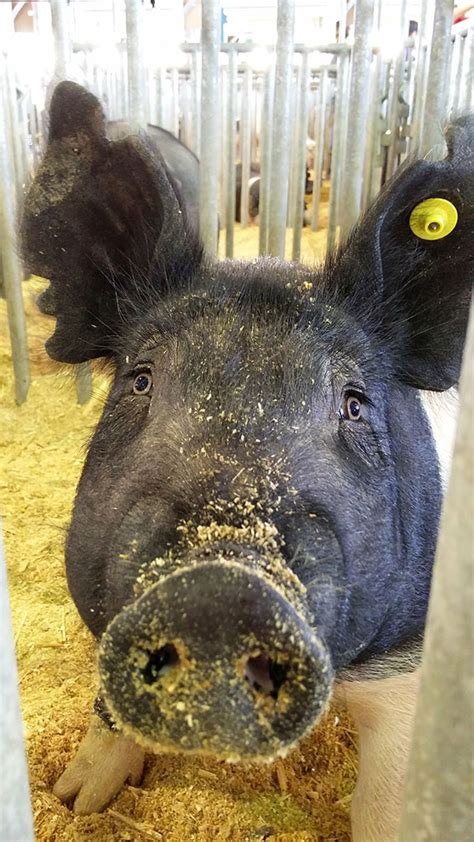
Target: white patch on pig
(441, 409)
(253, 180)
(383, 711)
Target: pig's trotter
(383, 711)
(104, 762)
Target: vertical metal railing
(245, 143)
(438, 792)
(11, 267)
(300, 156)
(319, 139)
(210, 125)
(266, 157)
(231, 115)
(16, 820)
(431, 134)
(281, 128)
(134, 25)
(359, 105)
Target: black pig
(256, 520)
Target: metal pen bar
(253, 139)
(134, 26)
(281, 128)
(331, 87)
(186, 112)
(230, 143)
(245, 145)
(438, 789)
(16, 820)
(458, 74)
(11, 269)
(468, 99)
(158, 84)
(319, 149)
(266, 159)
(437, 79)
(394, 108)
(210, 136)
(300, 167)
(195, 82)
(372, 150)
(175, 100)
(13, 124)
(255, 116)
(294, 106)
(59, 23)
(223, 146)
(340, 104)
(358, 98)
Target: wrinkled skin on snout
(258, 509)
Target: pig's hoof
(104, 761)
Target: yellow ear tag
(433, 219)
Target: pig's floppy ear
(408, 266)
(103, 224)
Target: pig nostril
(160, 662)
(265, 675)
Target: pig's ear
(104, 225)
(408, 267)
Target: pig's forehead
(267, 307)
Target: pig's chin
(216, 657)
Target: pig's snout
(215, 658)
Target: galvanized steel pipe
(337, 148)
(134, 25)
(195, 68)
(319, 148)
(245, 144)
(437, 80)
(175, 100)
(468, 99)
(281, 128)
(16, 820)
(372, 149)
(458, 74)
(421, 73)
(210, 135)
(394, 106)
(230, 143)
(11, 268)
(294, 97)
(351, 195)
(158, 98)
(59, 22)
(300, 155)
(438, 791)
(266, 159)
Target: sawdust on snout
(304, 798)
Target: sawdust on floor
(305, 797)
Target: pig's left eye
(351, 406)
(142, 383)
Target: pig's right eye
(142, 383)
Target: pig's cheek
(383, 711)
(104, 762)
